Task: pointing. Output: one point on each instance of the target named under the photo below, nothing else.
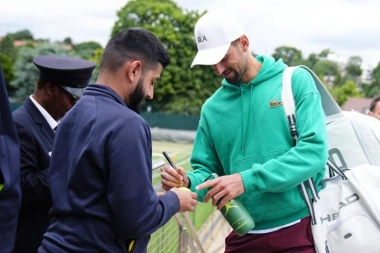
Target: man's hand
(187, 199)
(173, 178)
(223, 189)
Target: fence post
(182, 239)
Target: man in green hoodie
(243, 136)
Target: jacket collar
(103, 90)
(39, 120)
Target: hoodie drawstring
(244, 137)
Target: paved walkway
(216, 230)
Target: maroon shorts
(296, 238)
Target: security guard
(61, 83)
(10, 194)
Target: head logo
(343, 203)
(201, 39)
(275, 103)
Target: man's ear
(50, 89)
(370, 113)
(134, 70)
(244, 42)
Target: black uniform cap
(72, 74)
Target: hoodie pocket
(247, 163)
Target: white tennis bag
(346, 214)
(353, 138)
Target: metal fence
(179, 235)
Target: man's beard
(136, 97)
(239, 72)
(236, 79)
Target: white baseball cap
(214, 33)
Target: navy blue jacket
(10, 195)
(101, 179)
(36, 141)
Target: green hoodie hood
(270, 68)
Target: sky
(347, 27)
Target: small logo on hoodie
(275, 103)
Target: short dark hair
(134, 44)
(373, 103)
(235, 42)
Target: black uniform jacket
(36, 141)
(10, 194)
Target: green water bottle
(236, 214)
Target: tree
(353, 67)
(328, 70)
(8, 54)
(373, 89)
(347, 90)
(355, 60)
(290, 55)
(376, 74)
(68, 41)
(23, 35)
(26, 73)
(7, 47)
(7, 65)
(325, 53)
(180, 90)
(353, 70)
(97, 57)
(311, 60)
(86, 50)
(325, 67)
